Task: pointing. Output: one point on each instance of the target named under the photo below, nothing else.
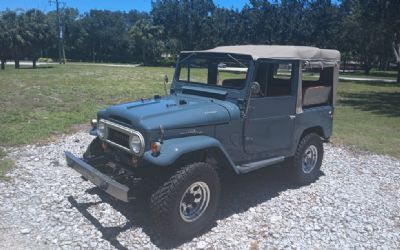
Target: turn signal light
(93, 123)
(155, 148)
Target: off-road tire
(295, 166)
(94, 149)
(165, 202)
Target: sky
(85, 5)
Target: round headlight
(135, 144)
(101, 130)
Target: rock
(25, 231)
(275, 218)
(93, 244)
(354, 204)
(201, 245)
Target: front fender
(172, 149)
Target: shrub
(168, 62)
(45, 59)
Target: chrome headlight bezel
(136, 150)
(101, 130)
(136, 143)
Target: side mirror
(165, 81)
(165, 78)
(255, 88)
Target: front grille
(118, 137)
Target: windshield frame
(207, 55)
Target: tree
(363, 30)
(392, 24)
(13, 31)
(35, 33)
(106, 35)
(323, 24)
(146, 37)
(5, 40)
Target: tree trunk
(3, 64)
(344, 65)
(34, 63)
(398, 72)
(17, 64)
(144, 56)
(93, 53)
(367, 67)
(396, 51)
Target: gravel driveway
(354, 204)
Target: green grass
(368, 117)
(36, 104)
(372, 74)
(5, 164)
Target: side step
(245, 168)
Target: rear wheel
(306, 163)
(186, 204)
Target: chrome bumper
(104, 182)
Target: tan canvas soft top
(279, 52)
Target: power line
(61, 50)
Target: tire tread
(167, 192)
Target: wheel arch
(316, 130)
(319, 130)
(181, 151)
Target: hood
(172, 112)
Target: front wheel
(186, 204)
(306, 163)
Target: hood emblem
(190, 132)
(171, 105)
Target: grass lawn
(5, 164)
(368, 116)
(36, 104)
(372, 74)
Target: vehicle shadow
(239, 193)
(382, 103)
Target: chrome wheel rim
(194, 201)
(310, 158)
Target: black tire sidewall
(192, 227)
(179, 228)
(299, 175)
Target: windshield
(224, 71)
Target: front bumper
(104, 182)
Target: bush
(45, 59)
(168, 62)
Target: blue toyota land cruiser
(236, 107)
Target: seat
(316, 95)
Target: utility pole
(61, 51)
